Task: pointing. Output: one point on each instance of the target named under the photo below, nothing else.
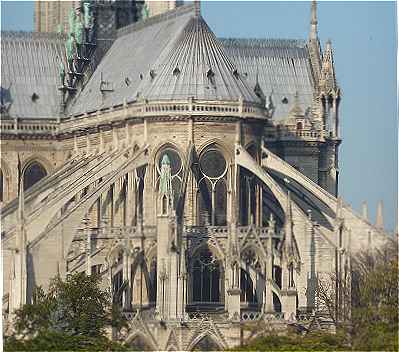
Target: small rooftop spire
(313, 21)
(197, 8)
(379, 222)
(365, 211)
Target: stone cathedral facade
(198, 176)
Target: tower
(111, 16)
(307, 137)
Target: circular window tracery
(213, 164)
(212, 189)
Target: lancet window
(212, 189)
(249, 190)
(248, 289)
(247, 198)
(171, 156)
(206, 279)
(291, 282)
(33, 173)
(117, 282)
(250, 277)
(140, 174)
(152, 296)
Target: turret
(314, 43)
(379, 221)
(365, 211)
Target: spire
(328, 80)
(313, 21)
(379, 221)
(365, 211)
(296, 110)
(197, 8)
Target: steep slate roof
(142, 61)
(29, 64)
(281, 65)
(129, 60)
(196, 65)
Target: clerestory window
(212, 189)
(33, 173)
(206, 279)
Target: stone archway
(139, 342)
(205, 343)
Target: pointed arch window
(176, 169)
(291, 282)
(117, 282)
(33, 173)
(206, 279)
(212, 189)
(248, 198)
(139, 193)
(153, 282)
(248, 289)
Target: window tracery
(212, 189)
(176, 171)
(206, 279)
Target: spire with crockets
(313, 21)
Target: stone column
(269, 274)
(233, 272)
(116, 203)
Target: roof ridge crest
(30, 35)
(177, 12)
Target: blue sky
(363, 35)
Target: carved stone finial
(313, 21)
(365, 211)
(379, 222)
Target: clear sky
(363, 35)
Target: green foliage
(371, 324)
(375, 300)
(72, 315)
(58, 341)
(292, 342)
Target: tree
(375, 298)
(72, 313)
(368, 307)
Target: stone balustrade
(143, 109)
(29, 126)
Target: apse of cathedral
(197, 176)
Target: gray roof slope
(282, 67)
(129, 60)
(197, 66)
(29, 64)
